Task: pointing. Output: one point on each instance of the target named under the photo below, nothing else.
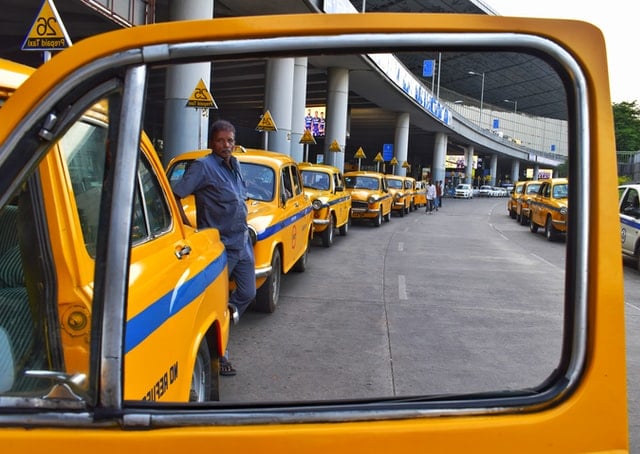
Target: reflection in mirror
(464, 301)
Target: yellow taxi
(410, 187)
(420, 195)
(324, 186)
(549, 208)
(523, 209)
(175, 276)
(512, 203)
(279, 215)
(370, 197)
(400, 195)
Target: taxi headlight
(253, 235)
(317, 204)
(372, 199)
(398, 195)
(564, 211)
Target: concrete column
(279, 102)
(439, 156)
(468, 158)
(494, 169)
(401, 142)
(536, 171)
(337, 104)
(186, 128)
(515, 170)
(297, 109)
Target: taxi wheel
(549, 231)
(268, 293)
(533, 226)
(387, 217)
(401, 212)
(205, 378)
(301, 264)
(327, 234)
(344, 229)
(377, 221)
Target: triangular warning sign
(335, 146)
(266, 123)
(47, 31)
(201, 97)
(307, 137)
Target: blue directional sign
(387, 151)
(427, 68)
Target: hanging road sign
(47, 32)
(200, 97)
(335, 146)
(307, 138)
(266, 123)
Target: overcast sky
(617, 20)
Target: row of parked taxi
(292, 203)
(541, 204)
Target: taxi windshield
(361, 182)
(315, 180)
(260, 181)
(395, 184)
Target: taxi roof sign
(266, 123)
(47, 32)
(200, 97)
(307, 138)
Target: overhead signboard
(47, 32)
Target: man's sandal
(226, 368)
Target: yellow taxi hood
(361, 194)
(260, 215)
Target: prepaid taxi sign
(47, 32)
(201, 97)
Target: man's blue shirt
(220, 194)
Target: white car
(629, 207)
(463, 191)
(485, 191)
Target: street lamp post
(473, 73)
(515, 105)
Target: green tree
(626, 119)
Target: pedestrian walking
(431, 197)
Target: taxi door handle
(181, 252)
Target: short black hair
(221, 125)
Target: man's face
(222, 144)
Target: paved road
(464, 300)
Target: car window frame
(110, 286)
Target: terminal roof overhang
(371, 108)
